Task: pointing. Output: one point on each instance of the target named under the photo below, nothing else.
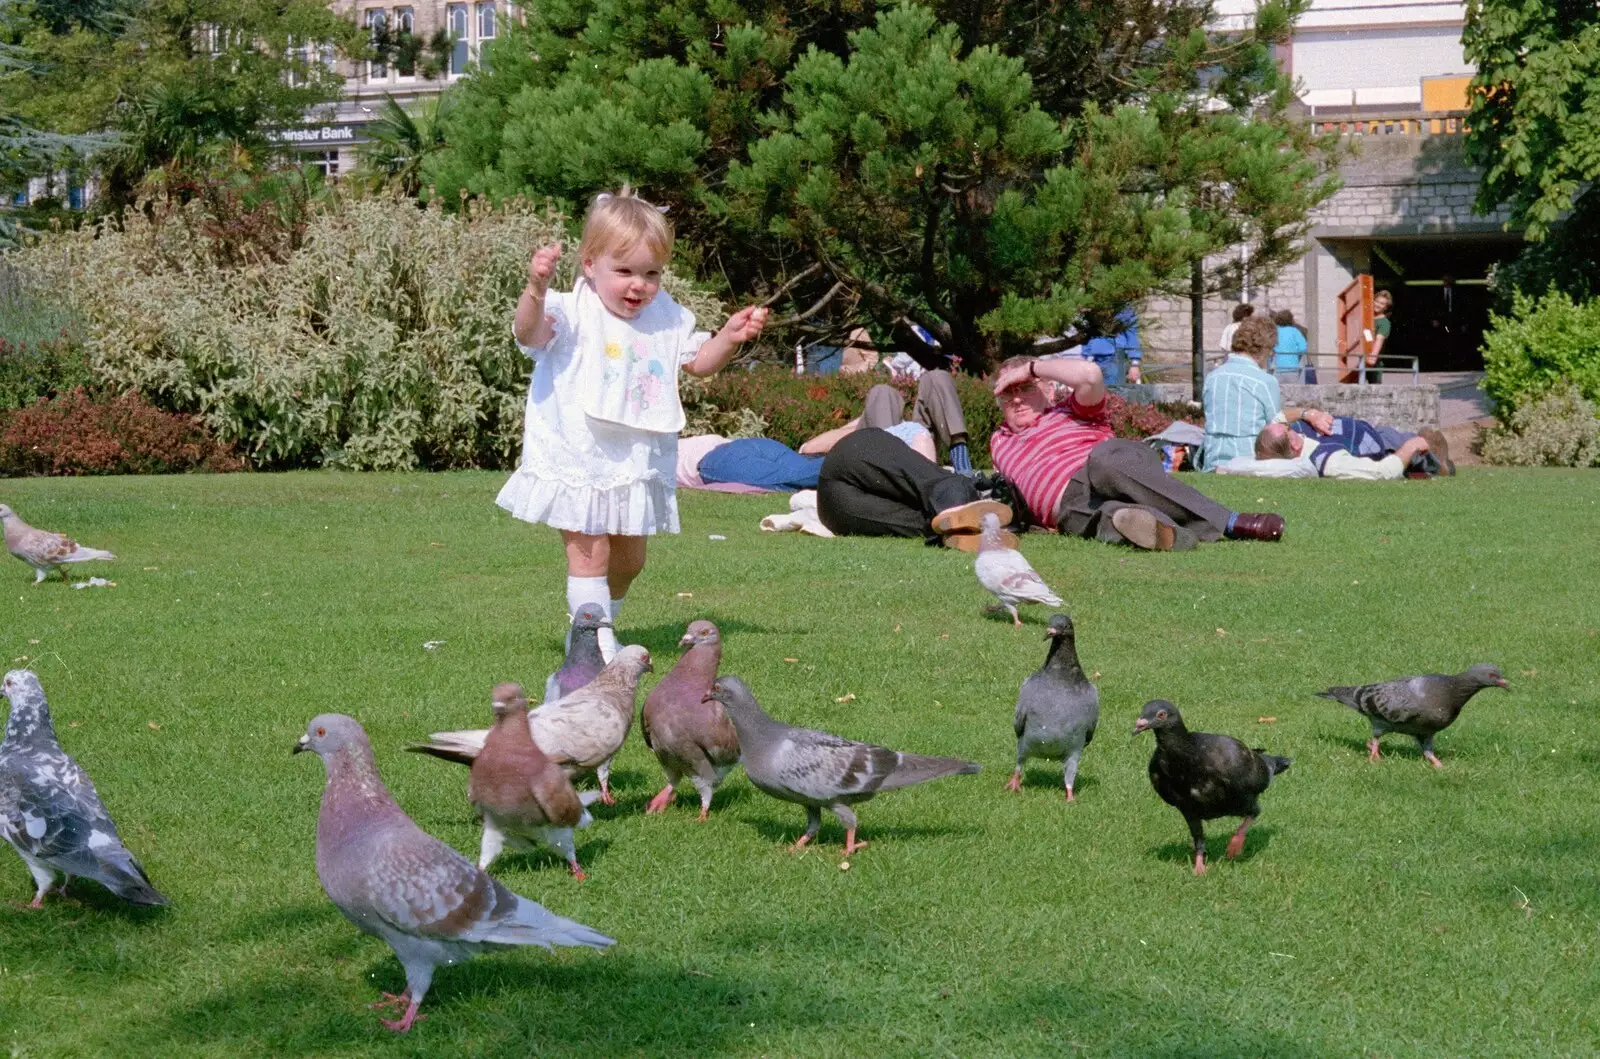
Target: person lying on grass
(1077, 478)
(1332, 457)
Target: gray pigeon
(583, 662)
(1057, 708)
(1205, 776)
(392, 879)
(818, 770)
(49, 810)
(690, 734)
(581, 732)
(1007, 573)
(1420, 707)
(43, 550)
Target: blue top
(1126, 341)
(1291, 346)
(1239, 400)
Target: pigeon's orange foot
(391, 1000)
(606, 797)
(577, 871)
(850, 843)
(799, 844)
(403, 1024)
(659, 803)
(1016, 781)
(1372, 750)
(1199, 864)
(1236, 845)
(1070, 798)
(1433, 759)
(705, 814)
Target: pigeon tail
(918, 768)
(533, 924)
(1344, 695)
(462, 747)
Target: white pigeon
(1007, 573)
(390, 878)
(42, 550)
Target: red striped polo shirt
(1041, 459)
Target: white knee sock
(608, 637)
(596, 590)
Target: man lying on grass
(1077, 478)
(1356, 451)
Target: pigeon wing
(1398, 702)
(1009, 575)
(42, 548)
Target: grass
(1382, 910)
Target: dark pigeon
(1057, 708)
(818, 770)
(390, 878)
(1206, 776)
(49, 810)
(1420, 707)
(583, 662)
(690, 734)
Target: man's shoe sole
(1142, 529)
(968, 542)
(969, 517)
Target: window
(405, 56)
(456, 23)
(75, 197)
(486, 21)
(377, 23)
(324, 162)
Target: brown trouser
(1121, 472)
(937, 407)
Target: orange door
(1355, 323)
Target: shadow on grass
(501, 1003)
(1258, 839)
(1394, 746)
(785, 830)
(1043, 778)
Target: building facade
(1391, 80)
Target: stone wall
(1406, 407)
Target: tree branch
(793, 281)
(815, 308)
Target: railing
(1325, 366)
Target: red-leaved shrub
(797, 407)
(77, 434)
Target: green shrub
(378, 337)
(1559, 429)
(1542, 342)
(40, 351)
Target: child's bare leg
(588, 559)
(627, 559)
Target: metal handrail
(1318, 362)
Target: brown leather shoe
(1142, 529)
(968, 518)
(1260, 527)
(1440, 449)
(968, 542)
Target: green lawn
(1379, 910)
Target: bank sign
(332, 134)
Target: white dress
(591, 475)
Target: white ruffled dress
(595, 475)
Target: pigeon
(583, 662)
(42, 550)
(690, 734)
(522, 794)
(818, 770)
(49, 810)
(1007, 573)
(1057, 708)
(1206, 776)
(392, 879)
(581, 732)
(1420, 707)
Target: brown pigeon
(392, 879)
(1420, 707)
(690, 733)
(581, 732)
(42, 550)
(818, 770)
(522, 794)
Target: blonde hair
(618, 223)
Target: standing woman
(1382, 304)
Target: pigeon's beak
(1503, 683)
(301, 745)
(1141, 725)
(687, 641)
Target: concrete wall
(1406, 407)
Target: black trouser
(1121, 472)
(873, 485)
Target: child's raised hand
(542, 268)
(745, 324)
